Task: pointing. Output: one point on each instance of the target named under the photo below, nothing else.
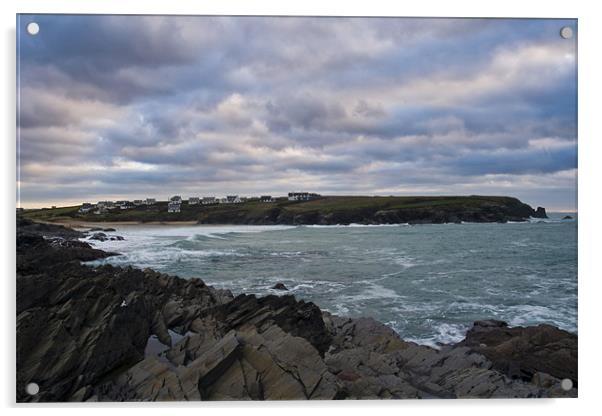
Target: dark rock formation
(523, 352)
(83, 334)
(99, 237)
(279, 286)
(567, 217)
(540, 212)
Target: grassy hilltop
(322, 210)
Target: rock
(567, 217)
(299, 318)
(489, 323)
(279, 286)
(108, 230)
(99, 237)
(540, 212)
(522, 352)
(72, 327)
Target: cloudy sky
(115, 107)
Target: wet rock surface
(279, 286)
(83, 335)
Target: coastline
(324, 210)
(136, 306)
(91, 224)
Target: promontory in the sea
(323, 210)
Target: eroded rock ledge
(84, 334)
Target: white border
(590, 24)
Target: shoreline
(91, 224)
(221, 334)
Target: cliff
(114, 334)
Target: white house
(150, 201)
(266, 198)
(126, 205)
(209, 200)
(232, 199)
(138, 202)
(173, 206)
(193, 200)
(301, 196)
(86, 207)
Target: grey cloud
(364, 105)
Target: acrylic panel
(291, 208)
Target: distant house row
(175, 202)
(102, 207)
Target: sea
(427, 282)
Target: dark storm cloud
(116, 105)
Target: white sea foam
(444, 333)
(354, 225)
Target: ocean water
(428, 282)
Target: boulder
(279, 286)
(521, 352)
(99, 237)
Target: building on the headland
(173, 206)
(105, 204)
(193, 200)
(301, 196)
(150, 201)
(138, 202)
(176, 198)
(266, 198)
(126, 205)
(101, 209)
(232, 199)
(86, 207)
(209, 200)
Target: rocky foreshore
(114, 334)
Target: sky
(129, 107)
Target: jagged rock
(567, 217)
(99, 237)
(540, 212)
(299, 318)
(522, 352)
(279, 286)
